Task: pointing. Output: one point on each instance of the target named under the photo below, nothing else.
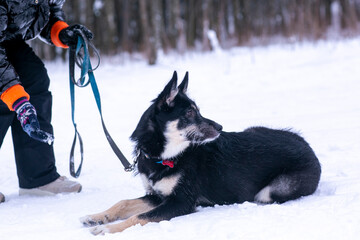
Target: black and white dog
(185, 160)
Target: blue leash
(80, 56)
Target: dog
(185, 160)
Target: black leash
(81, 57)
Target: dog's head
(173, 122)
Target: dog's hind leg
(122, 210)
(289, 187)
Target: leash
(80, 56)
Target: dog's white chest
(165, 186)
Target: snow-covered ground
(312, 88)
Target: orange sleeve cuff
(12, 94)
(54, 33)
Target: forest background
(144, 27)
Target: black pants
(35, 161)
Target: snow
(312, 88)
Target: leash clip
(131, 167)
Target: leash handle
(87, 70)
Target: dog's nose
(218, 127)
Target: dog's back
(258, 164)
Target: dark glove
(26, 114)
(69, 35)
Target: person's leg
(6, 118)
(35, 161)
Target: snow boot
(60, 185)
(2, 198)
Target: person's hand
(26, 114)
(69, 35)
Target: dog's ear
(169, 93)
(184, 84)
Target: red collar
(165, 162)
(169, 163)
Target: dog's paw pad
(88, 221)
(99, 230)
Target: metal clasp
(131, 167)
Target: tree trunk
(206, 25)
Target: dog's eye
(190, 113)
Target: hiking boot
(2, 198)
(60, 185)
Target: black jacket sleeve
(56, 14)
(8, 76)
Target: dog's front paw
(90, 221)
(100, 230)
